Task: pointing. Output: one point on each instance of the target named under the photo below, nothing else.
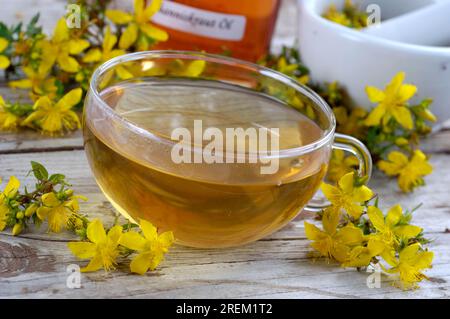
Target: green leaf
(57, 178)
(39, 171)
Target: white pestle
(429, 26)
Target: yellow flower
(4, 61)
(347, 195)
(333, 14)
(390, 229)
(410, 264)
(350, 124)
(138, 23)
(410, 172)
(102, 248)
(8, 120)
(39, 82)
(361, 256)
(55, 117)
(60, 48)
(392, 103)
(151, 247)
(57, 211)
(191, 69)
(289, 70)
(341, 165)
(96, 55)
(331, 242)
(9, 192)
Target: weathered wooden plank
(274, 267)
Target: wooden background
(34, 264)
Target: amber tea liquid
(205, 205)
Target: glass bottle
(240, 28)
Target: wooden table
(34, 264)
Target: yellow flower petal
(95, 231)
(166, 239)
(395, 85)
(61, 31)
(3, 44)
(76, 46)
(93, 55)
(330, 220)
(353, 209)
(376, 218)
(154, 32)
(195, 68)
(109, 41)
(132, 240)
(139, 10)
(95, 264)
(50, 200)
(374, 94)
(149, 231)
(152, 8)
(4, 62)
(115, 53)
(408, 254)
(115, 233)
(312, 232)
(83, 250)
(141, 263)
(350, 235)
(20, 84)
(423, 260)
(129, 36)
(42, 212)
(123, 73)
(407, 231)
(69, 100)
(374, 117)
(396, 162)
(420, 163)
(12, 187)
(406, 92)
(346, 183)
(329, 191)
(403, 116)
(118, 16)
(393, 216)
(68, 63)
(362, 194)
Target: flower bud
(30, 210)
(17, 229)
(20, 215)
(427, 115)
(68, 192)
(401, 141)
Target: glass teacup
(220, 151)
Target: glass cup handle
(357, 148)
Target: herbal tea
(205, 204)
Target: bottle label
(206, 23)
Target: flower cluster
(350, 16)
(356, 233)
(55, 69)
(104, 247)
(391, 130)
(54, 202)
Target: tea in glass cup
(180, 145)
